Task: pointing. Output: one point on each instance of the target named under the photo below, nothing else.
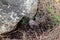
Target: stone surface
(12, 11)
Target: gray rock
(12, 11)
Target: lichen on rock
(12, 11)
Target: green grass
(36, 17)
(55, 18)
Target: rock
(27, 7)
(13, 11)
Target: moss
(24, 21)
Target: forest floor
(45, 31)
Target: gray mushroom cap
(12, 13)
